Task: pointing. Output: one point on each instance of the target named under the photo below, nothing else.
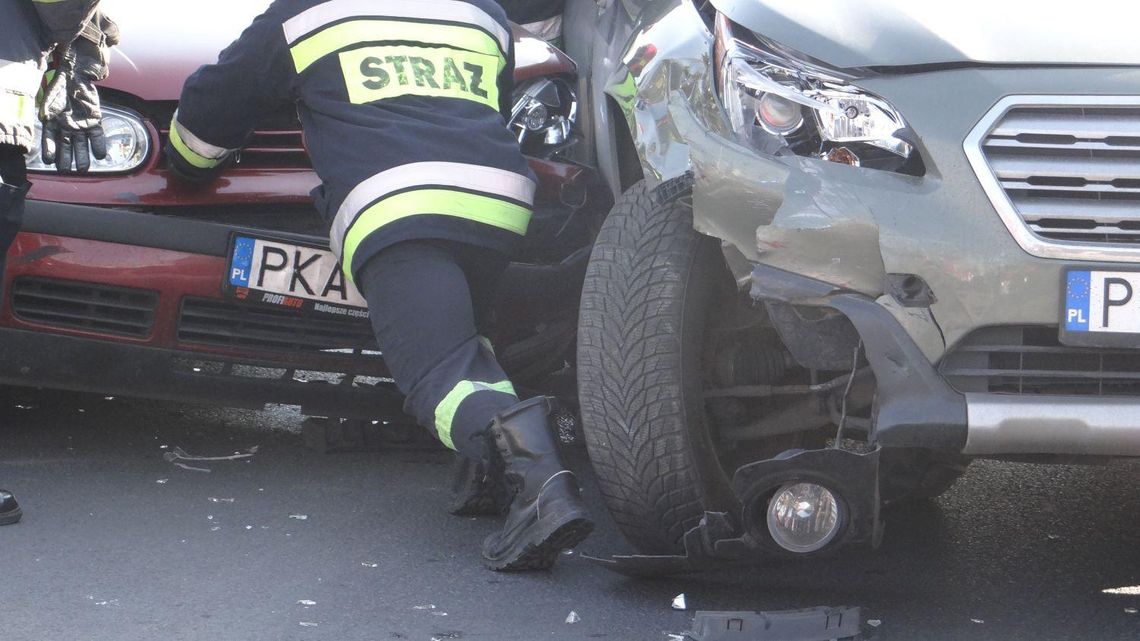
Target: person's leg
(422, 313)
(13, 188)
(477, 488)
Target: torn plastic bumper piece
(812, 624)
(721, 541)
(915, 406)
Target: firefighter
(426, 194)
(77, 38)
(543, 18)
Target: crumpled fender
(802, 215)
(668, 53)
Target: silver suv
(856, 244)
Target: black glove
(72, 118)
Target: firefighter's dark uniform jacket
(28, 30)
(402, 103)
(402, 106)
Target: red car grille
(226, 323)
(270, 149)
(84, 306)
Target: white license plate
(291, 275)
(1101, 308)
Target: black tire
(912, 475)
(648, 289)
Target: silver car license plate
(1101, 308)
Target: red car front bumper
(146, 317)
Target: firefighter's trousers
(429, 301)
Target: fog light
(778, 115)
(803, 517)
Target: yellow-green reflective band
(445, 411)
(347, 34)
(444, 202)
(188, 154)
(376, 73)
(12, 107)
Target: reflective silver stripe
(548, 29)
(333, 11)
(20, 77)
(487, 180)
(196, 144)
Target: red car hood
(162, 47)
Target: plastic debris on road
(679, 602)
(369, 565)
(177, 456)
(874, 623)
(306, 602)
(307, 624)
(299, 517)
(445, 636)
(573, 617)
(1131, 610)
(429, 606)
(162, 481)
(810, 624)
(214, 499)
(674, 637)
(978, 620)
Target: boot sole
(9, 518)
(542, 553)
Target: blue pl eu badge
(1077, 301)
(241, 262)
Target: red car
(120, 282)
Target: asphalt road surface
(119, 544)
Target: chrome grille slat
(1077, 145)
(1046, 121)
(1083, 190)
(1106, 212)
(1100, 169)
(1064, 173)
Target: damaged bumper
(953, 311)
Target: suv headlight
(777, 102)
(127, 144)
(543, 116)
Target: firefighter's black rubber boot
(477, 488)
(546, 512)
(9, 509)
